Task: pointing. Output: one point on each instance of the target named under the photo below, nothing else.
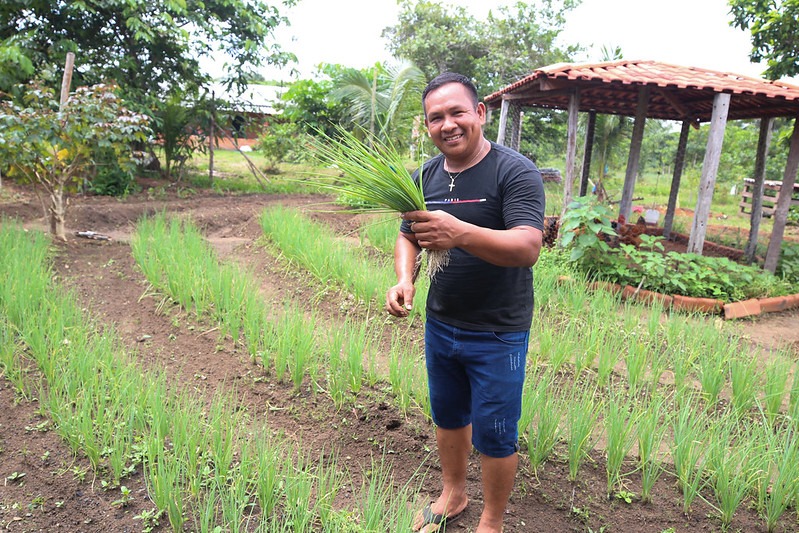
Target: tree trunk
(66, 79)
(372, 111)
(57, 210)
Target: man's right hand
(399, 299)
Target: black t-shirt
(502, 191)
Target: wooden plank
(772, 200)
(766, 211)
(770, 185)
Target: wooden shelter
(649, 89)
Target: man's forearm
(406, 253)
(518, 247)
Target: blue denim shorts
(477, 377)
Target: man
(486, 206)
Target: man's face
(455, 124)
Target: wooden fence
(771, 190)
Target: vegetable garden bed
(59, 492)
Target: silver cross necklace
(468, 165)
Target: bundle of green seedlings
(373, 178)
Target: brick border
(730, 311)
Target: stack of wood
(550, 175)
(551, 227)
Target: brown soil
(53, 495)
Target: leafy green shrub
(793, 216)
(585, 229)
(281, 142)
(54, 145)
(110, 178)
(180, 127)
(788, 266)
(582, 228)
(687, 274)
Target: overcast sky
(683, 32)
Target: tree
(15, 66)
(280, 141)
(520, 39)
(435, 39)
(609, 133)
(737, 157)
(148, 47)
(507, 46)
(178, 123)
(308, 104)
(54, 146)
(774, 37)
(381, 100)
(494, 53)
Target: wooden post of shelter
(710, 167)
(503, 121)
(763, 142)
(626, 204)
(679, 164)
(571, 149)
(589, 148)
(783, 202)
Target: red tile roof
(676, 93)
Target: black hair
(450, 77)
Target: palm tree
(609, 132)
(381, 100)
